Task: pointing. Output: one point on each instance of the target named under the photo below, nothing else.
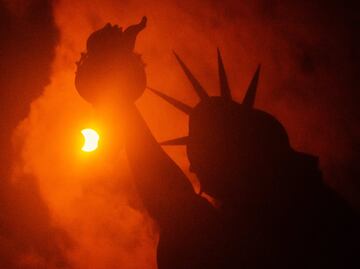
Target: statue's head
(231, 146)
(109, 71)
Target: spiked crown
(222, 131)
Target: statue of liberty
(273, 209)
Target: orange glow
(91, 140)
(92, 197)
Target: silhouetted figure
(273, 210)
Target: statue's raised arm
(111, 74)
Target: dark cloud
(309, 80)
(28, 238)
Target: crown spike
(197, 86)
(250, 95)
(224, 86)
(176, 103)
(180, 141)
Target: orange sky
(91, 195)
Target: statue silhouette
(272, 210)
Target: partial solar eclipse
(91, 140)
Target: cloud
(82, 210)
(28, 237)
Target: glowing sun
(91, 140)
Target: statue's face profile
(234, 149)
(231, 146)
